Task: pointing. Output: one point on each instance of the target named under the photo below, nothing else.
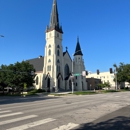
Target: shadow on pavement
(118, 123)
(18, 99)
(117, 120)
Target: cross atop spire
(54, 21)
(78, 49)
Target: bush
(40, 90)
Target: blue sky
(103, 27)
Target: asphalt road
(90, 112)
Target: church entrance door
(48, 84)
(70, 85)
(59, 83)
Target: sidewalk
(118, 120)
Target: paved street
(100, 111)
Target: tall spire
(78, 49)
(54, 21)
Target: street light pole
(115, 78)
(72, 76)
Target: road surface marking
(33, 124)
(12, 114)
(17, 119)
(67, 127)
(5, 111)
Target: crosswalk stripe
(67, 127)
(33, 124)
(5, 111)
(11, 114)
(17, 119)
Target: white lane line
(5, 111)
(17, 119)
(12, 114)
(67, 127)
(33, 124)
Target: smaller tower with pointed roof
(78, 63)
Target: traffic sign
(76, 74)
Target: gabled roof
(66, 78)
(37, 63)
(66, 52)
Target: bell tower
(53, 59)
(80, 81)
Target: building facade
(104, 76)
(92, 83)
(107, 77)
(58, 67)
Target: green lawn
(84, 93)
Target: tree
(104, 85)
(107, 85)
(3, 75)
(123, 72)
(101, 85)
(16, 75)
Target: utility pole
(115, 78)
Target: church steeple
(78, 49)
(54, 21)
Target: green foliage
(104, 85)
(34, 91)
(16, 75)
(84, 93)
(123, 72)
(101, 86)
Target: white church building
(55, 68)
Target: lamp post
(115, 79)
(72, 76)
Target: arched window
(49, 61)
(58, 46)
(49, 68)
(49, 52)
(58, 68)
(49, 46)
(58, 53)
(58, 61)
(66, 70)
(37, 80)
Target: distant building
(92, 83)
(106, 77)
